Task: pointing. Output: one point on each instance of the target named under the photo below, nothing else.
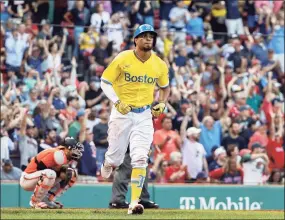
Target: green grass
(22, 213)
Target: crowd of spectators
(224, 121)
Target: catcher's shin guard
(45, 183)
(61, 187)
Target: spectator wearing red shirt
(274, 147)
(167, 140)
(259, 136)
(231, 173)
(176, 173)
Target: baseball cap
(184, 101)
(7, 162)
(275, 100)
(71, 98)
(193, 131)
(244, 107)
(257, 35)
(244, 152)
(202, 175)
(30, 126)
(256, 145)
(80, 112)
(219, 151)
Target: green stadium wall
(167, 196)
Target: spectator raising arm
(82, 133)
(184, 124)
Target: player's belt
(141, 109)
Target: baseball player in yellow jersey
(129, 82)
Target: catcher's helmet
(145, 28)
(74, 146)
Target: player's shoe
(136, 209)
(106, 170)
(149, 204)
(119, 205)
(38, 205)
(53, 204)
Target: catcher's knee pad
(139, 161)
(49, 177)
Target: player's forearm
(109, 91)
(164, 94)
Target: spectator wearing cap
(220, 156)
(234, 137)
(9, 172)
(193, 153)
(260, 135)
(231, 173)
(35, 59)
(74, 128)
(255, 165)
(46, 32)
(28, 145)
(210, 50)
(212, 157)
(100, 134)
(94, 94)
(165, 139)
(184, 105)
(259, 49)
(201, 178)
(233, 21)
(245, 120)
(239, 56)
(15, 48)
(51, 139)
(176, 172)
(179, 17)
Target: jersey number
(141, 181)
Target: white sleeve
(109, 91)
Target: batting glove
(122, 107)
(158, 109)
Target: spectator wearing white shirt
(115, 31)
(179, 17)
(7, 144)
(100, 18)
(15, 48)
(193, 153)
(255, 165)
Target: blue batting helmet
(145, 28)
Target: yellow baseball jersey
(133, 80)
